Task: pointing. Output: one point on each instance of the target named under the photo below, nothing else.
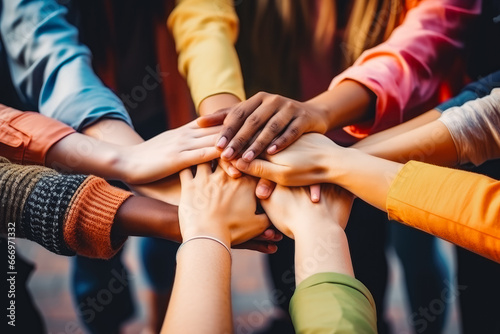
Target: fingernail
(262, 191)
(272, 248)
(315, 198)
(272, 149)
(248, 156)
(228, 153)
(233, 171)
(222, 142)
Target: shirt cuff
(87, 230)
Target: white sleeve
(475, 128)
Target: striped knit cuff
(45, 211)
(16, 184)
(87, 230)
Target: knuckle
(274, 127)
(239, 142)
(253, 120)
(288, 105)
(294, 131)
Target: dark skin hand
(147, 217)
(269, 123)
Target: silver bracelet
(204, 237)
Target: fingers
(264, 188)
(258, 118)
(271, 234)
(315, 192)
(259, 246)
(186, 175)
(229, 169)
(198, 132)
(271, 130)
(292, 132)
(203, 170)
(234, 121)
(217, 118)
(259, 168)
(198, 156)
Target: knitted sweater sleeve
(66, 214)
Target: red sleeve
(405, 71)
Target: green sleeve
(333, 303)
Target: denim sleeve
(472, 91)
(51, 70)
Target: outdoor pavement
(251, 298)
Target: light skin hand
(313, 226)
(215, 204)
(169, 190)
(305, 162)
(169, 152)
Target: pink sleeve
(406, 70)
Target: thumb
(217, 118)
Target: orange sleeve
(458, 206)
(87, 230)
(25, 137)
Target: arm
(31, 138)
(328, 297)
(204, 33)
(51, 69)
(214, 205)
(423, 196)
(460, 207)
(80, 214)
(397, 75)
(405, 71)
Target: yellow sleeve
(333, 303)
(205, 32)
(458, 206)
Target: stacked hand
(214, 204)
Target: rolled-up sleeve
(406, 70)
(26, 137)
(51, 69)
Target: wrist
(220, 234)
(340, 161)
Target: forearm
(147, 217)
(326, 247)
(431, 143)
(113, 131)
(348, 103)
(365, 176)
(381, 137)
(203, 275)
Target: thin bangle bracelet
(204, 237)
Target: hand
(279, 120)
(217, 205)
(307, 161)
(168, 153)
(291, 211)
(264, 243)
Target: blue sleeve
(51, 70)
(472, 91)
